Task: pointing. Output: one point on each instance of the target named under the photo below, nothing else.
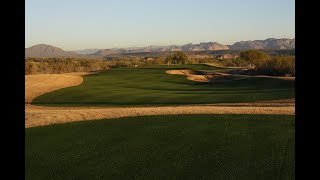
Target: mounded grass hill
(144, 86)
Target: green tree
(178, 57)
(253, 57)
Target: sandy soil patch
(216, 76)
(191, 75)
(212, 76)
(37, 85)
(279, 77)
(80, 73)
(40, 116)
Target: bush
(63, 65)
(252, 56)
(233, 62)
(178, 57)
(262, 63)
(205, 60)
(277, 66)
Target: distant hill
(187, 47)
(106, 52)
(270, 43)
(87, 51)
(43, 50)
(204, 46)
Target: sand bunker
(216, 76)
(37, 85)
(191, 75)
(205, 76)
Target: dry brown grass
(36, 85)
(289, 78)
(222, 66)
(40, 116)
(80, 73)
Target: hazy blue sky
(79, 24)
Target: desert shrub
(178, 57)
(127, 62)
(238, 62)
(253, 56)
(205, 60)
(277, 66)
(149, 62)
(122, 63)
(262, 63)
(31, 68)
(63, 65)
(159, 60)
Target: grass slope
(152, 86)
(164, 147)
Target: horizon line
(156, 44)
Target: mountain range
(43, 50)
(87, 51)
(270, 43)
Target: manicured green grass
(152, 86)
(164, 147)
(184, 66)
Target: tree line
(258, 62)
(261, 63)
(63, 65)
